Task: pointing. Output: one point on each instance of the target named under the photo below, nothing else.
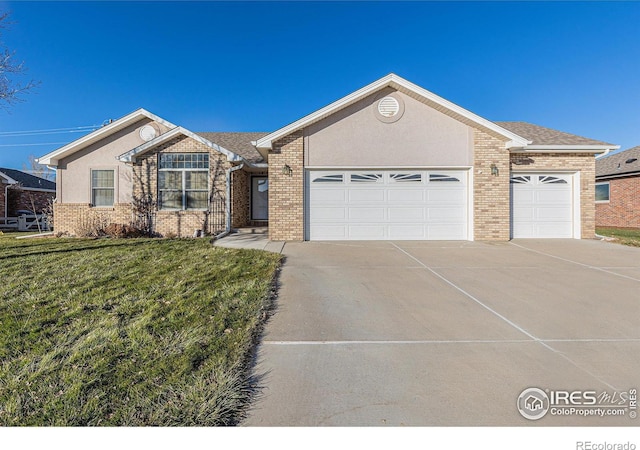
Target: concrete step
(252, 230)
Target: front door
(259, 198)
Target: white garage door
(387, 204)
(541, 205)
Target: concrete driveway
(448, 333)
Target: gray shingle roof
(27, 180)
(547, 136)
(239, 143)
(617, 164)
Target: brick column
(286, 190)
(491, 204)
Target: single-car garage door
(541, 205)
(387, 204)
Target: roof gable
(131, 155)
(402, 85)
(51, 159)
(619, 164)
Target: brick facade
(584, 163)
(26, 199)
(623, 208)
(286, 190)
(491, 205)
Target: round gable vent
(148, 132)
(388, 107)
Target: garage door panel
(406, 214)
(553, 196)
(418, 204)
(366, 214)
(406, 195)
(328, 214)
(407, 232)
(446, 214)
(337, 232)
(365, 195)
(554, 214)
(373, 232)
(329, 195)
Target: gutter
(228, 227)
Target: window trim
(183, 189)
(608, 184)
(92, 189)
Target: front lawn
(622, 236)
(128, 332)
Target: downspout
(228, 227)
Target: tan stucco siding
(421, 137)
(74, 172)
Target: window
(183, 181)
(366, 177)
(102, 187)
(406, 177)
(441, 177)
(602, 192)
(334, 178)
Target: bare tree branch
(11, 73)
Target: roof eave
(618, 175)
(565, 149)
(51, 159)
(8, 178)
(400, 84)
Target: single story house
(388, 161)
(22, 191)
(618, 190)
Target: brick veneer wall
(71, 218)
(491, 206)
(580, 162)
(286, 191)
(24, 198)
(623, 208)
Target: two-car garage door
(387, 204)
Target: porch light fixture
(287, 170)
(494, 170)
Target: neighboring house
(618, 190)
(389, 161)
(23, 191)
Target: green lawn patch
(128, 331)
(623, 236)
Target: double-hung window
(183, 181)
(102, 187)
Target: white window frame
(94, 188)
(183, 189)
(608, 191)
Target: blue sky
(256, 66)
